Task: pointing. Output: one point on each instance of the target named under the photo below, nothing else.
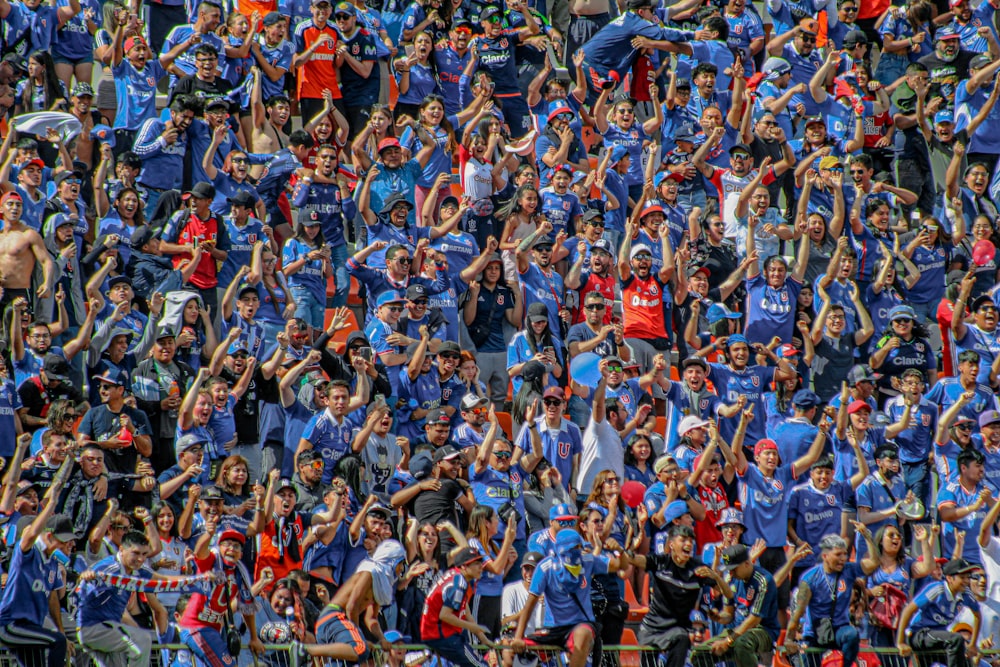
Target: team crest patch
(755, 380)
(500, 300)
(831, 499)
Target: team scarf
(125, 582)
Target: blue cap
(617, 153)
(698, 617)
(113, 376)
(902, 312)
(103, 134)
(568, 538)
(238, 345)
(387, 297)
(806, 399)
(944, 117)
(718, 312)
(562, 512)
(675, 510)
(393, 636)
(730, 516)
(685, 132)
(947, 31)
(603, 245)
(737, 338)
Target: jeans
(917, 478)
(342, 280)
(308, 307)
(847, 640)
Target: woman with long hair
(535, 342)
(41, 90)
(497, 561)
(519, 219)
(416, 77)
(985, 272)
(906, 38)
(196, 340)
(273, 626)
(277, 305)
(468, 373)
(305, 262)
(534, 378)
(639, 460)
(173, 556)
(425, 559)
(778, 403)
(364, 148)
(888, 288)
(125, 215)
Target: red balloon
(632, 493)
(983, 252)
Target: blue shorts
(63, 60)
(334, 627)
(208, 646)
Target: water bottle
(290, 619)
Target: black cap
(886, 450)
(415, 291)
(421, 465)
(212, 493)
(489, 13)
(61, 527)
(142, 235)
(957, 566)
(449, 346)
(467, 555)
(216, 102)
(392, 200)
(17, 62)
(437, 416)
(538, 312)
(855, 37)
(56, 367)
(860, 373)
(694, 361)
(742, 148)
(119, 280)
(445, 452)
(732, 556)
(164, 331)
(272, 18)
(63, 175)
(242, 198)
(532, 558)
(639, 4)
(202, 190)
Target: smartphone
(365, 353)
(409, 50)
(557, 68)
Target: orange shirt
(248, 7)
(318, 73)
(642, 306)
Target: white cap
(690, 423)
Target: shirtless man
(368, 589)
(20, 249)
(268, 136)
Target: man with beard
(370, 588)
(161, 146)
(391, 176)
(677, 578)
(949, 63)
(963, 504)
(395, 275)
(28, 360)
(980, 337)
(597, 277)
(826, 602)
(121, 430)
(596, 334)
(539, 281)
(646, 300)
(474, 411)
(308, 480)
(564, 580)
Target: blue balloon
(584, 369)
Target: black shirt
(438, 506)
(675, 592)
(247, 410)
(37, 399)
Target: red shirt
(945, 312)
(210, 611)
(595, 283)
(642, 306)
(714, 501)
(318, 73)
(193, 233)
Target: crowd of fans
(463, 323)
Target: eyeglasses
(903, 320)
(70, 416)
(503, 455)
(240, 355)
(597, 223)
(964, 427)
(240, 160)
(615, 369)
(643, 258)
(449, 355)
(848, 10)
(552, 402)
(72, 181)
(857, 172)
(342, 17)
(568, 117)
(595, 306)
(197, 449)
(625, 110)
(768, 123)
(326, 158)
(273, 260)
(836, 170)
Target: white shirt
(602, 450)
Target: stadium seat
(636, 611)
(661, 426)
(506, 423)
(629, 658)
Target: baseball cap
(830, 162)
(740, 148)
(764, 445)
(562, 512)
(982, 60)
(438, 416)
(189, 440)
(685, 132)
(989, 417)
(886, 450)
(416, 291)
(164, 331)
(202, 190)
(133, 42)
(690, 423)
(694, 361)
(24, 485)
(675, 510)
(212, 493)
(345, 8)
(663, 462)
(56, 367)
(489, 13)
(617, 153)
(237, 346)
(806, 399)
(602, 245)
(467, 555)
(858, 405)
(532, 558)
(860, 373)
(61, 527)
(651, 206)
(82, 89)
(393, 636)
(957, 566)
(732, 556)
(855, 37)
(537, 313)
(119, 280)
(272, 18)
(557, 108)
(775, 67)
(735, 339)
(113, 376)
(639, 249)
(944, 117)
(809, 26)
(388, 297)
(470, 401)
(242, 198)
(718, 312)
(901, 312)
(388, 142)
(554, 392)
(809, 120)
(947, 31)
(730, 516)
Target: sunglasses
(478, 411)
(120, 526)
(316, 465)
(566, 523)
(239, 160)
(503, 455)
(420, 302)
(463, 31)
(552, 402)
(964, 427)
(342, 17)
(611, 480)
(595, 306)
(615, 369)
(903, 320)
(395, 309)
(72, 181)
(449, 355)
(768, 123)
(403, 260)
(643, 258)
(807, 39)
(493, 19)
(597, 223)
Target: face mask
(575, 570)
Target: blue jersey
(545, 287)
(831, 595)
(611, 48)
(562, 210)
(423, 392)
(877, 496)
(986, 343)
(311, 276)
(567, 603)
(804, 67)
(816, 514)
(274, 180)
(954, 494)
(460, 248)
(937, 608)
(440, 160)
(162, 163)
(31, 578)
(633, 140)
(99, 602)
(323, 202)
(758, 596)
(845, 464)
(496, 489)
(280, 55)
(542, 542)
(558, 446)
(794, 437)
(771, 311)
(330, 438)
(185, 61)
(496, 58)
(931, 262)
(519, 351)
(222, 425)
(72, 41)
(449, 67)
(765, 504)
(915, 442)
(751, 382)
(10, 403)
(743, 30)
(241, 242)
(360, 91)
(30, 364)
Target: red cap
(133, 41)
(9, 195)
(37, 162)
(388, 142)
(230, 534)
(554, 392)
(857, 405)
(557, 111)
(764, 445)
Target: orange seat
(636, 611)
(353, 294)
(331, 287)
(780, 658)
(393, 92)
(629, 658)
(457, 191)
(644, 597)
(661, 426)
(339, 339)
(506, 423)
(675, 374)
